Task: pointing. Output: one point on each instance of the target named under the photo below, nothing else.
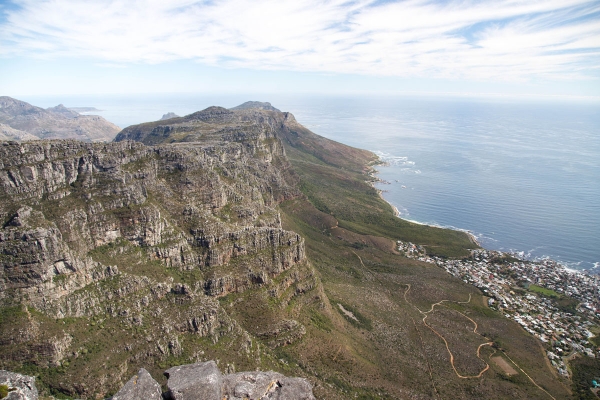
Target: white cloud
(486, 40)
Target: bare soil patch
(349, 314)
(504, 365)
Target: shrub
(3, 391)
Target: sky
(548, 48)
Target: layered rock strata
(130, 246)
(182, 204)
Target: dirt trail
(475, 326)
(530, 378)
(426, 314)
(430, 369)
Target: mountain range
(240, 236)
(21, 121)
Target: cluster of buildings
(559, 306)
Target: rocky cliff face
(214, 123)
(133, 245)
(92, 195)
(25, 121)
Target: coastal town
(559, 306)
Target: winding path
(426, 314)
(475, 326)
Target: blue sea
(521, 175)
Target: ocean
(522, 176)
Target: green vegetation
(3, 391)
(10, 314)
(562, 302)
(566, 304)
(585, 370)
(345, 194)
(321, 321)
(544, 291)
(59, 279)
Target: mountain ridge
(57, 122)
(241, 236)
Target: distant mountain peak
(64, 111)
(212, 114)
(261, 105)
(169, 115)
(13, 107)
(57, 122)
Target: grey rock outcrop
(266, 385)
(140, 386)
(169, 115)
(195, 381)
(20, 387)
(203, 381)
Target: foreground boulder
(204, 381)
(19, 387)
(200, 381)
(194, 381)
(265, 385)
(141, 386)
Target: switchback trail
(475, 326)
(435, 390)
(426, 314)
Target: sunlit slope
(409, 329)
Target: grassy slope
(388, 352)
(333, 178)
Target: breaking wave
(397, 161)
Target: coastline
(372, 173)
(374, 179)
(549, 293)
